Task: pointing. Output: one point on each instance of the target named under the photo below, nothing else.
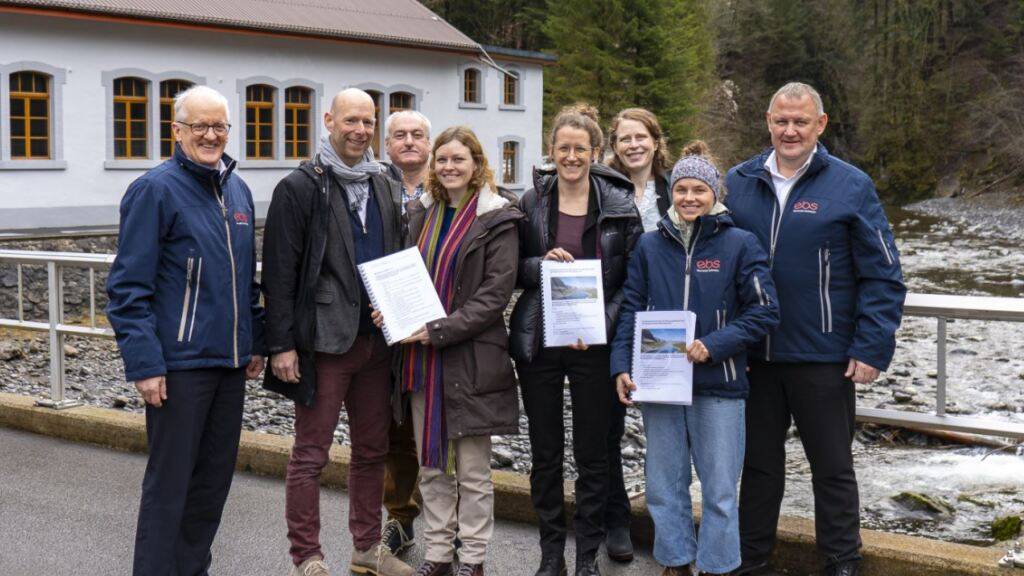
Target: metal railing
(942, 307)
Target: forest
(927, 96)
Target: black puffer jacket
(611, 231)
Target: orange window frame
(291, 129)
(252, 129)
(27, 97)
(509, 158)
(131, 103)
(511, 89)
(471, 86)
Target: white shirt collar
(772, 165)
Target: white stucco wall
(84, 189)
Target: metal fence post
(940, 383)
(55, 302)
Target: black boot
(754, 568)
(845, 568)
(551, 565)
(618, 544)
(586, 564)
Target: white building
(85, 88)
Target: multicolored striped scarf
(421, 365)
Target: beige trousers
(464, 501)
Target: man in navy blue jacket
(185, 309)
(841, 291)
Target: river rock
(121, 401)
(70, 351)
(1005, 528)
(919, 502)
(12, 351)
(903, 396)
(970, 499)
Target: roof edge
(515, 53)
(144, 17)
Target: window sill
(145, 164)
(269, 164)
(33, 165)
(512, 107)
(473, 105)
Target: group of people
(787, 261)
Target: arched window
(471, 86)
(259, 122)
(297, 111)
(510, 94)
(401, 101)
(30, 115)
(131, 126)
(168, 90)
(377, 101)
(510, 162)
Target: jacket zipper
(689, 267)
(195, 301)
(720, 319)
(234, 287)
(184, 304)
(828, 285)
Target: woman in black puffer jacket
(578, 210)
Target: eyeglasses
(202, 129)
(564, 151)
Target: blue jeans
(711, 432)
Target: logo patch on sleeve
(241, 219)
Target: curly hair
(660, 163)
(482, 173)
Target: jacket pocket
(195, 297)
(324, 296)
(493, 366)
(824, 284)
(187, 300)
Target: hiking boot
(470, 570)
(754, 568)
(551, 565)
(847, 568)
(379, 561)
(429, 568)
(310, 567)
(676, 571)
(586, 564)
(397, 536)
(618, 544)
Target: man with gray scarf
(332, 213)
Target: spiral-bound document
(661, 371)
(573, 303)
(400, 288)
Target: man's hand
(153, 390)
(860, 372)
(254, 368)
(286, 366)
(624, 386)
(697, 353)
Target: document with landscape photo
(400, 288)
(573, 303)
(661, 371)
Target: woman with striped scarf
(457, 370)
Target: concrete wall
(83, 185)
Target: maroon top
(569, 235)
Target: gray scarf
(348, 175)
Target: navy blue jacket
(833, 259)
(723, 278)
(182, 290)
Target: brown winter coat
(479, 386)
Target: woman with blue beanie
(697, 260)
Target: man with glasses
(407, 141)
(185, 309)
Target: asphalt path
(70, 509)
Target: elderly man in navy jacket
(185, 309)
(841, 291)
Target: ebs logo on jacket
(805, 207)
(709, 265)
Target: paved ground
(70, 509)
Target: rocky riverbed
(947, 246)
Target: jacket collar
(488, 201)
(613, 191)
(205, 173)
(709, 224)
(755, 168)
